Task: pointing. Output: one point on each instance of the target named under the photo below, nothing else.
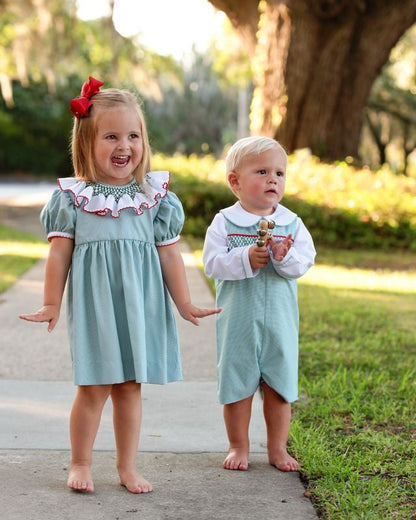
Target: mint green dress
(120, 319)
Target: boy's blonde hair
(249, 146)
(85, 129)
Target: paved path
(183, 439)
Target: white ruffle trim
(59, 234)
(168, 242)
(155, 187)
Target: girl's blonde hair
(85, 129)
(249, 146)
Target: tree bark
(314, 63)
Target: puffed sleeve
(169, 220)
(59, 215)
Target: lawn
(18, 252)
(354, 426)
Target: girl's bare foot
(283, 461)
(237, 459)
(80, 479)
(134, 482)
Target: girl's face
(118, 145)
(259, 181)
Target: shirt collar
(240, 217)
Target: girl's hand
(281, 249)
(189, 312)
(48, 313)
(258, 256)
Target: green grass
(354, 426)
(18, 252)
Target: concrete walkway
(183, 440)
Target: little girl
(257, 332)
(114, 228)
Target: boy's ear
(233, 180)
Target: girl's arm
(56, 273)
(173, 270)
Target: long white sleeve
(301, 255)
(219, 263)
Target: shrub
(342, 206)
(35, 133)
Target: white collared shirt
(223, 264)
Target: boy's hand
(281, 249)
(258, 256)
(48, 313)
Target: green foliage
(35, 132)
(341, 206)
(348, 207)
(391, 108)
(197, 183)
(231, 60)
(196, 116)
(190, 109)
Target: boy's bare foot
(283, 461)
(80, 479)
(134, 482)
(237, 459)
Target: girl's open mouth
(120, 160)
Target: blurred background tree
(391, 109)
(194, 115)
(314, 64)
(303, 90)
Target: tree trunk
(314, 63)
(375, 128)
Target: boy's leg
(277, 414)
(84, 422)
(127, 415)
(237, 420)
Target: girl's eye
(111, 136)
(134, 136)
(262, 172)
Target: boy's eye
(262, 172)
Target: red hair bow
(81, 106)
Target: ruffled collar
(102, 198)
(239, 216)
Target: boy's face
(259, 181)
